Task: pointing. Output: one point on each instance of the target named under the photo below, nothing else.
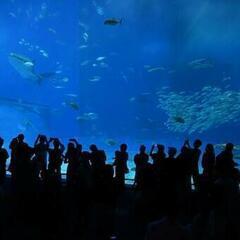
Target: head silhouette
(1, 142)
(42, 139)
(172, 151)
(184, 150)
(56, 143)
(210, 148)
(197, 143)
(123, 147)
(142, 149)
(71, 146)
(160, 148)
(93, 147)
(20, 138)
(229, 147)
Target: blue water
(108, 79)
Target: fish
(84, 63)
(201, 63)
(25, 68)
(113, 21)
(85, 36)
(83, 46)
(99, 9)
(226, 79)
(65, 79)
(71, 95)
(13, 15)
(24, 106)
(111, 142)
(74, 105)
(43, 53)
(103, 65)
(210, 107)
(52, 30)
(87, 117)
(100, 58)
(95, 79)
(179, 119)
(154, 69)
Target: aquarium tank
(111, 72)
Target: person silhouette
(55, 158)
(141, 160)
(23, 155)
(72, 157)
(158, 156)
(208, 161)
(195, 155)
(3, 158)
(12, 165)
(41, 147)
(120, 163)
(225, 165)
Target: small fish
(100, 58)
(226, 79)
(154, 69)
(74, 105)
(12, 15)
(179, 119)
(95, 79)
(113, 22)
(84, 63)
(43, 53)
(100, 11)
(52, 30)
(71, 95)
(87, 117)
(111, 142)
(65, 79)
(85, 36)
(103, 65)
(82, 46)
(58, 87)
(201, 63)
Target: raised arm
(187, 144)
(152, 149)
(36, 141)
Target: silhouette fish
(25, 67)
(179, 119)
(111, 142)
(112, 21)
(24, 106)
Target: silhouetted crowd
(169, 199)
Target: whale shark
(26, 68)
(24, 106)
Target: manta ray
(26, 68)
